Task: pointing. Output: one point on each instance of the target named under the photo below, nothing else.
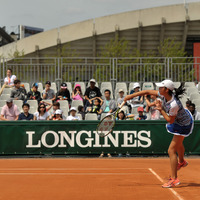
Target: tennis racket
(107, 124)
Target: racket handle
(122, 104)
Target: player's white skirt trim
(176, 129)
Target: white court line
(46, 169)
(161, 180)
(71, 173)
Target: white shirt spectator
(43, 117)
(10, 80)
(73, 118)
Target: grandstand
(144, 29)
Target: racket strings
(106, 125)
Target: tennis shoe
(171, 183)
(183, 164)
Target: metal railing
(102, 69)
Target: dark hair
(193, 105)
(80, 90)
(98, 100)
(42, 104)
(56, 104)
(188, 102)
(179, 92)
(80, 108)
(123, 114)
(26, 104)
(9, 70)
(17, 81)
(107, 91)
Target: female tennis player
(180, 123)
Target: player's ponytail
(179, 92)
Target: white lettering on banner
(97, 142)
(78, 139)
(69, 140)
(56, 139)
(85, 139)
(115, 141)
(128, 139)
(30, 140)
(145, 139)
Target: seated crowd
(138, 108)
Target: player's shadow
(189, 185)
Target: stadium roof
(145, 29)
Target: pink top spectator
(10, 113)
(78, 96)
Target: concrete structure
(144, 29)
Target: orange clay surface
(96, 179)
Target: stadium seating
(194, 96)
(198, 108)
(190, 84)
(196, 102)
(80, 116)
(40, 88)
(106, 85)
(148, 86)
(177, 84)
(77, 103)
(130, 87)
(103, 115)
(82, 84)
(69, 87)
(91, 116)
(47, 101)
(54, 87)
(191, 90)
(4, 96)
(7, 91)
(19, 104)
(2, 103)
(64, 104)
(32, 110)
(26, 86)
(33, 103)
(119, 86)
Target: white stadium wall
(144, 29)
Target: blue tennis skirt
(176, 129)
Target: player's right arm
(141, 93)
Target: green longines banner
(80, 137)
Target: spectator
(42, 114)
(58, 115)
(77, 93)
(18, 93)
(96, 107)
(136, 101)
(63, 93)
(47, 104)
(81, 111)
(195, 113)
(121, 97)
(109, 105)
(56, 106)
(91, 93)
(122, 116)
(154, 113)
(9, 80)
(72, 115)
(26, 115)
(140, 115)
(188, 103)
(48, 93)
(10, 111)
(34, 94)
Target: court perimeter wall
(80, 137)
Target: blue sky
(49, 14)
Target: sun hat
(136, 85)
(72, 108)
(166, 83)
(58, 112)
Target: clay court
(82, 178)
